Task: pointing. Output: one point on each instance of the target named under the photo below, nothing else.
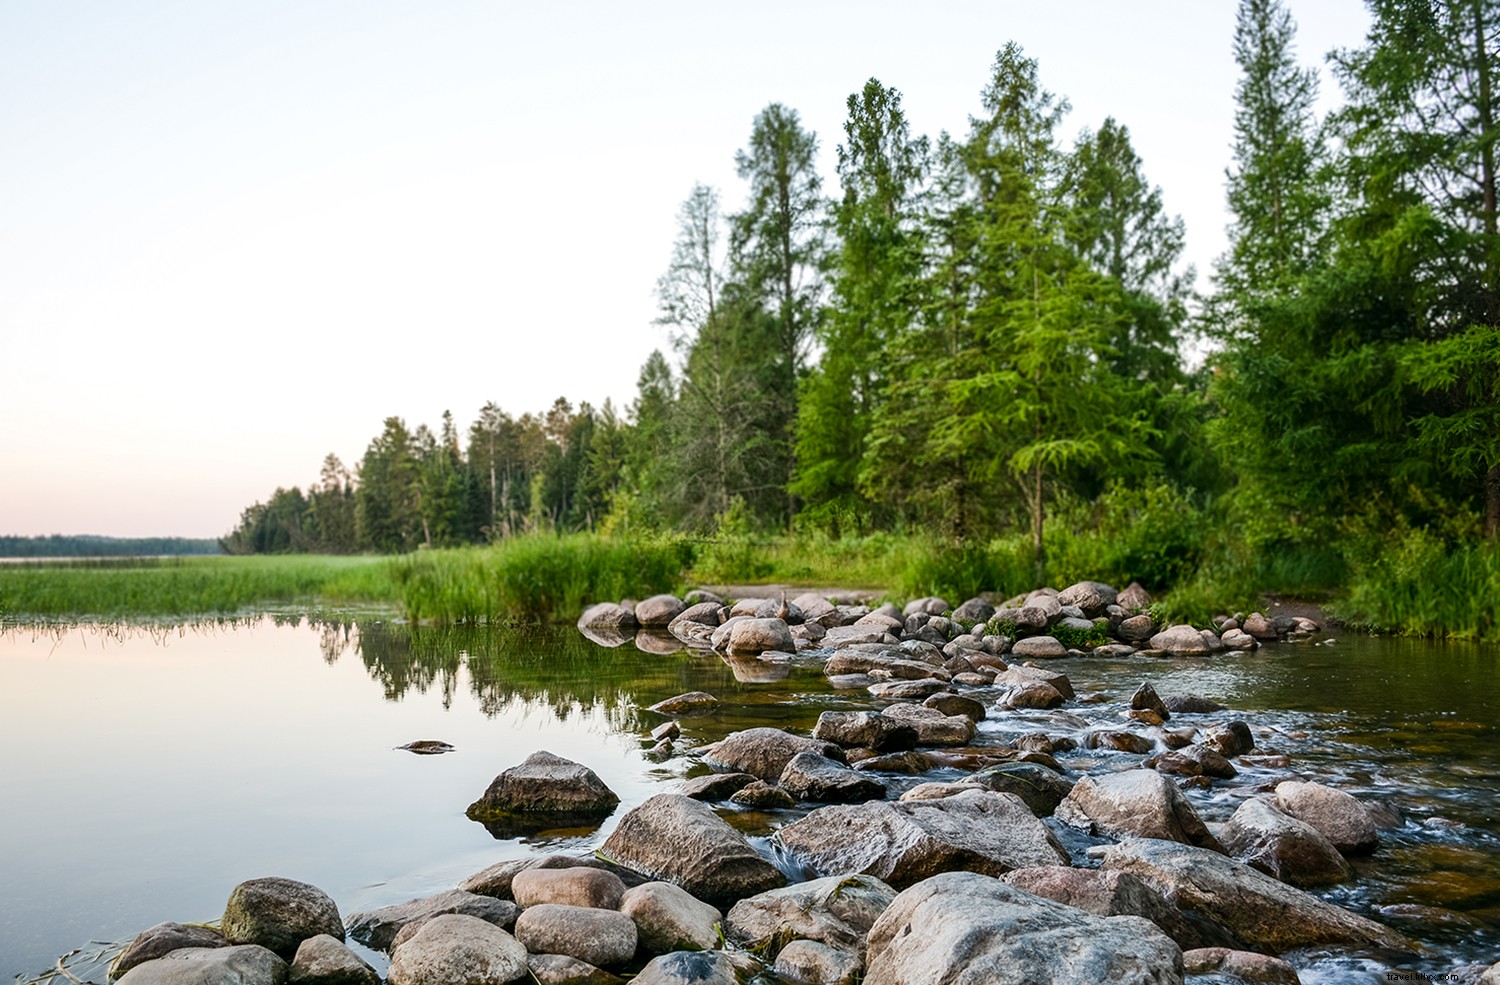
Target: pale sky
(235, 237)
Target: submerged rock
(544, 791)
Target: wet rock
(668, 918)
(810, 963)
(688, 968)
(936, 790)
(578, 886)
(1259, 627)
(604, 938)
(162, 939)
(427, 747)
(869, 729)
(1135, 803)
(912, 763)
(1116, 739)
(246, 964)
(837, 911)
(1281, 846)
(908, 690)
(658, 610)
(691, 703)
(324, 960)
(907, 841)
(545, 790)
(279, 914)
(1020, 674)
(1038, 646)
(559, 969)
(1246, 966)
(1230, 739)
(1181, 641)
(1145, 715)
(715, 786)
(1113, 894)
(1030, 694)
(961, 927)
(762, 796)
(1192, 761)
(680, 840)
(1040, 788)
(1340, 818)
(1191, 704)
(705, 613)
(1114, 651)
(973, 611)
(934, 728)
(454, 949)
(956, 704)
(759, 635)
(378, 928)
(607, 615)
(1146, 697)
(1263, 912)
(853, 634)
(809, 776)
(1237, 639)
(764, 752)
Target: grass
(1419, 585)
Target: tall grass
(1418, 584)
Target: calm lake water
(146, 772)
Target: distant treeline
(87, 545)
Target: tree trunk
(1492, 504)
(1038, 551)
(1487, 164)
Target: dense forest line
(88, 545)
(982, 336)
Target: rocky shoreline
(1007, 868)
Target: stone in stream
(378, 928)
(1181, 641)
(762, 796)
(244, 964)
(154, 942)
(836, 910)
(1281, 846)
(1343, 820)
(908, 690)
(1192, 761)
(543, 792)
(1118, 739)
(1134, 803)
(603, 938)
(869, 729)
(607, 615)
(1247, 966)
(279, 914)
(658, 610)
(1145, 697)
(715, 786)
(963, 928)
(576, 886)
(691, 703)
(689, 968)
(427, 747)
(1040, 788)
(805, 962)
(322, 960)
(1230, 739)
(933, 727)
(1191, 704)
(1116, 894)
(956, 704)
(496, 880)
(668, 918)
(759, 635)
(907, 841)
(1022, 674)
(559, 969)
(454, 949)
(1264, 913)
(764, 752)
(809, 776)
(1038, 646)
(680, 840)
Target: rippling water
(147, 772)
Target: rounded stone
(279, 914)
(599, 937)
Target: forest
(989, 342)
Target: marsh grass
(1419, 585)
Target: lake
(147, 771)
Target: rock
(1093, 597)
(1181, 641)
(837, 911)
(715, 786)
(1026, 674)
(1031, 694)
(1113, 894)
(848, 635)
(1246, 966)
(324, 960)
(454, 949)
(759, 635)
(1340, 818)
(1191, 704)
(907, 841)
(1263, 913)
(607, 615)
(1038, 646)
(1192, 761)
(658, 610)
(962, 928)
(603, 938)
(706, 613)
(779, 608)
(1259, 627)
(668, 918)
(1146, 697)
(1134, 598)
(378, 928)
(931, 605)
(279, 914)
(247, 964)
(869, 729)
(545, 791)
(496, 880)
(815, 608)
(688, 968)
(764, 752)
(1491, 977)
(1230, 739)
(427, 747)
(577, 886)
(912, 762)
(1237, 639)
(908, 690)
(956, 704)
(1281, 846)
(809, 776)
(762, 796)
(154, 942)
(932, 726)
(936, 790)
(691, 703)
(680, 840)
(1040, 788)
(559, 969)
(973, 611)
(1135, 803)
(1117, 739)
(810, 963)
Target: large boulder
(496, 880)
(1264, 913)
(576, 886)
(907, 841)
(933, 727)
(680, 840)
(962, 928)
(669, 918)
(279, 914)
(245, 964)
(1021, 674)
(607, 615)
(454, 949)
(1182, 641)
(1093, 597)
(689, 968)
(378, 928)
(322, 960)
(1337, 815)
(764, 752)
(162, 939)
(1116, 894)
(603, 938)
(869, 729)
(659, 610)
(837, 910)
(559, 969)
(809, 776)
(1281, 846)
(544, 791)
(1041, 788)
(1134, 803)
(759, 635)
(811, 963)
(1038, 646)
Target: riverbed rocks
(545, 791)
(1281, 846)
(669, 918)
(162, 939)
(324, 960)
(243, 964)
(962, 927)
(837, 911)
(603, 938)
(1338, 816)
(454, 949)
(810, 776)
(607, 615)
(1114, 894)
(764, 752)
(1039, 787)
(279, 914)
(1136, 804)
(755, 635)
(576, 886)
(865, 729)
(378, 928)
(680, 840)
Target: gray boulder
(1136, 629)
(162, 939)
(378, 928)
(1230, 739)
(547, 791)
(811, 963)
(454, 949)
(1340, 818)
(1137, 804)
(323, 960)
(962, 928)
(246, 964)
(680, 840)
(1182, 641)
(764, 752)
(1022, 674)
(1038, 646)
(907, 841)
(932, 726)
(607, 615)
(837, 911)
(603, 938)
(1040, 788)
(974, 610)
(715, 786)
(1115, 894)
(957, 704)
(760, 635)
(496, 880)
(689, 968)
(658, 610)
(1282, 846)
(1093, 597)
(867, 729)
(809, 776)
(669, 918)
(576, 886)
(691, 703)
(1145, 697)
(559, 969)
(1246, 966)
(279, 914)
(932, 605)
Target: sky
(237, 237)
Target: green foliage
(961, 572)
(733, 554)
(1416, 582)
(1079, 639)
(85, 546)
(1153, 534)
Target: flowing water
(146, 772)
